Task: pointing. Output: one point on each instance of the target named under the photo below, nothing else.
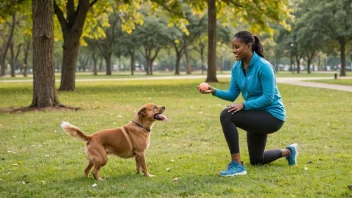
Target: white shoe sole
(236, 174)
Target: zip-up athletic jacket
(257, 85)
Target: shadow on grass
(37, 109)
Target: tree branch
(81, 13)
(233, 2)
(60, 16)
(71, 14)
(92, 3)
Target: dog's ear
(143, 112)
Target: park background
(94, 63)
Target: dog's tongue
(164, 118)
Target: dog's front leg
(138, 165)
(140, 157)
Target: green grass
(39, 160)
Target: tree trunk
(298, 69)
(188, 64)
(149, 65)
(178, 60)
(211, 75)
(7, 45)
(101, 65)
(83, 61)
(177, 66)
(343, 56)
(95, 63)
(202, 57)
(12, 62)
(14, 58)
(309, 61)
(44, 93)
(25, 58)
(3, 65)
(107, 58)
(132, 62)
(292, 63)
(69, 61)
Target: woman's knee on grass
(255, 161)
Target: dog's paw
(149, 175)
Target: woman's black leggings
(258, 125)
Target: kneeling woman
(262, 112)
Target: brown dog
(130, 140)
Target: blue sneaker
(292, 158)
(233, 169)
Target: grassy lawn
(39, 160)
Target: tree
(93, 50)
(72, 28)
(26, 48)
(44, 92)
(153, 35)
(14, 57)
(107, 45)
(183, 40)
(257, 13)
(127, 46)
(309, 43)
(333, 20)
(4, 49)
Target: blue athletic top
(258, 87)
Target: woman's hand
(210, 90)
(233, 108)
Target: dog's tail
(74, 131)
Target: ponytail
(258, 47)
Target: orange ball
(203, 86)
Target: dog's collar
(141, 126)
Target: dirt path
(302, 82)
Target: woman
(262, 112)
